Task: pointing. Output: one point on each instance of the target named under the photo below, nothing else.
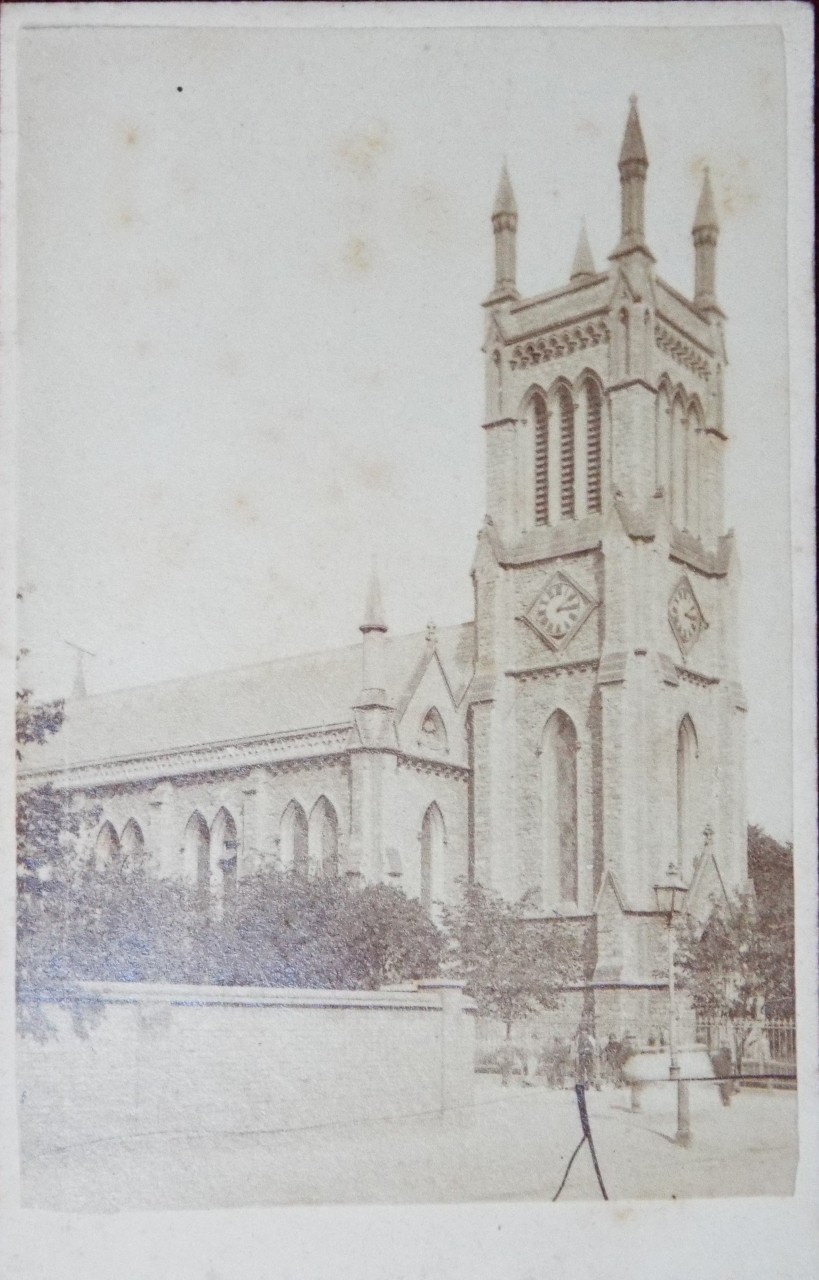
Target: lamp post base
(683, 1135)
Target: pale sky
(250, 271)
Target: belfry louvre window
(541, 460)
(593, 448)
(566, 454)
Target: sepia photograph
(404, 696)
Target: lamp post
(670, 894)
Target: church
(583, 730)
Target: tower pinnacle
(634, 147)
(583, 265)
(505, 199)
(705, 233)
(373, 648)
(374, 608)
(633, 166)
(504, 226)
(706, 215)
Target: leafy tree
(511, 968)
(47, 830)
(770, 866)
(740, 965)
(121, 922)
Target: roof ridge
(281, 660)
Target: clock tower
(606, 715)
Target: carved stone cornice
(682, 350)
(577, 667)
(289, 750)
(439, 768)
(695, 677)
(561, 342)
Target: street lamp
(670, 894)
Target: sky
(251, 264)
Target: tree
(770, 866)
(282, 929)
(121, 922)
(48, 829)
(739, 966)
(511, 969)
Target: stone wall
(187, 1059)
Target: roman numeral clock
(685, 616)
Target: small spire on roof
(633, 148)
(374, 609)
(79, 690)
(505, 199)
(706, 215)
(583, 266)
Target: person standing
(585, 1057)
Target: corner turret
(504, 226)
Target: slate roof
(289, 694)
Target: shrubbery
(119, 923)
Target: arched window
(692, 490)
(195, 851)
(678, 462)
(687, 754)
(433, 839)
(433, 733)
(294, 839)
(132, 844)
(224, 857)
(592, 406)
(662, 442)
(559, 755)
(566, 412)
(626, 337)
(323, 838)
(541, 433)
(106, 846)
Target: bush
(123, 924)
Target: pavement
(512, 1144)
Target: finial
(432, 632)
(583, 266)
(374, 610)
(505, 198)
(633, 148)
(706, 215)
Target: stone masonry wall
(245, 1060)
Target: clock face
(685, 615)
(559, 611)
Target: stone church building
(581, 732)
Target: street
(514, 1144)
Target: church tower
(606, 717)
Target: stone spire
(374, 631)
(505, 199)
(504, 226)
(633, 166)
(583, 266)
(705, 233)
(634, 147)
(374, 608)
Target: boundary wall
(191, 1059)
